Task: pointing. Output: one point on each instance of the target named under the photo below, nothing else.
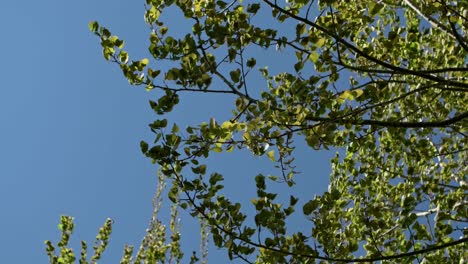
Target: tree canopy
(382, 83)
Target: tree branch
(362, 53)
(442, 123)
(429, 19)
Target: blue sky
(71, 127)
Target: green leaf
(310, 206)
(293, 200)
(346, 95)
(105, 33)
(199, 169)
(272, 177)
(235, 75)
(153, 73)
(375, 8)
(319, 43)
(251, 62)
(298, 66)
(175, 128)
(230, 148)
(271, 155)
(313, 57)
(144, 61)
(217, 149)
(163, 30)
(123, 56)
(357, 93)
(119, 43)
(253, 8)
(93, 26)
(353, 246)
(172, 74)
(143, 146)
(215, 178)
(157, 124)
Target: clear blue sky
(71, 126)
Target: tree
(383, 82)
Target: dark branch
(364, 54)
(442, 123)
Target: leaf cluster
(384, 82)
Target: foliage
(153, 248)
(66, 254)
(383, 82)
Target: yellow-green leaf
(217, 149)
(93, 26)
(313, 56)
(144, 61)
(271, 155)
